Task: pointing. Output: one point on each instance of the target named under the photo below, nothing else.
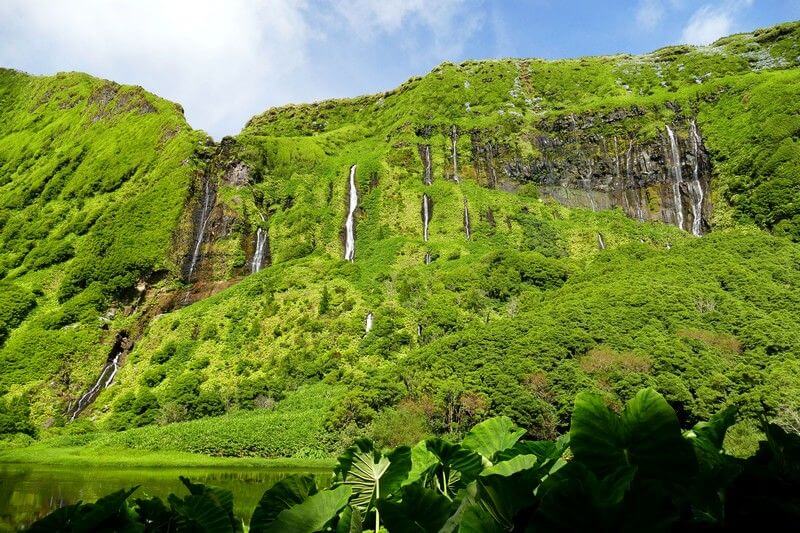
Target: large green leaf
(492, 436)
(455, 466)
(508, 487)
(647, 435)
(420, 510)
(109, 513)
(349, 521)
(283, 495)
(371, 474)
(206, 508)
(312, 515)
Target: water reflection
(28, 492)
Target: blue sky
(226, 61)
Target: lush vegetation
(99, 186)
(633, 470)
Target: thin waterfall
(677, 178)
(262, 237)
(122, 344)
(600, 242)
(428, 258)
(467, 227)
(205, 214)
(695, 188)
(419, 330)
(425, 152)
(455, 154)
(349, 226)
(426, 211)
(368, 323)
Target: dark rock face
(664, 178)
(427, 169)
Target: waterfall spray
(205, 214)
(695, 188)
(426, 211)
(675, 166)
(350, 239)
(258, 256)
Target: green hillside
(565, 202)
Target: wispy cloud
(649, 13)
(709, 22)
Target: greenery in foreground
(629, 471)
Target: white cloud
(709, 23)
(649, 13)
(218, 59)
(448, 23)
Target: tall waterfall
(695, 188)
(426, 213)
(426, 161)
(467, 226)
(455, 154)
(349, 226)
(368, 323)
(262, 238)
(205, 214)
(121, 345)
(600, 241)
(677, 178)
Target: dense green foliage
(100, 187)
(629, 471)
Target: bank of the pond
(126, 457)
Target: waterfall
(675, 166)
(695, 188)
(426, 161)
(419, 330)
(426, 210)
(368, 323)
(205, 214)
(455, 155)
(600, 242)
(350, 239)
(262, 238)
(467, 227)
(428, 258)
(121, 345)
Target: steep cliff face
(463, 198)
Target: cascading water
(428, 258)
(419, 330)
(426, 161)
(695, 187)
(467, 226)
(455, 154)
(205, 214)
(368, 323)
(122, 345)
(261, 242)
(426, 213)
(349, 226)
(677, 178)
(600, 241)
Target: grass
(132, 458)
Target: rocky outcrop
(603, 162)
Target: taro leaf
(370, 474)
(420, 510)
(492, 436)
(315, 513)
(422, 462)
(205, 508)
(109, 513)
(455, 467)
(349, 521)
(475, 519)
(508, 487)
(646, 436)
(284, 494)
(157, 516)
(573, 499)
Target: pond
(28, 491)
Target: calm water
(28, 492)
